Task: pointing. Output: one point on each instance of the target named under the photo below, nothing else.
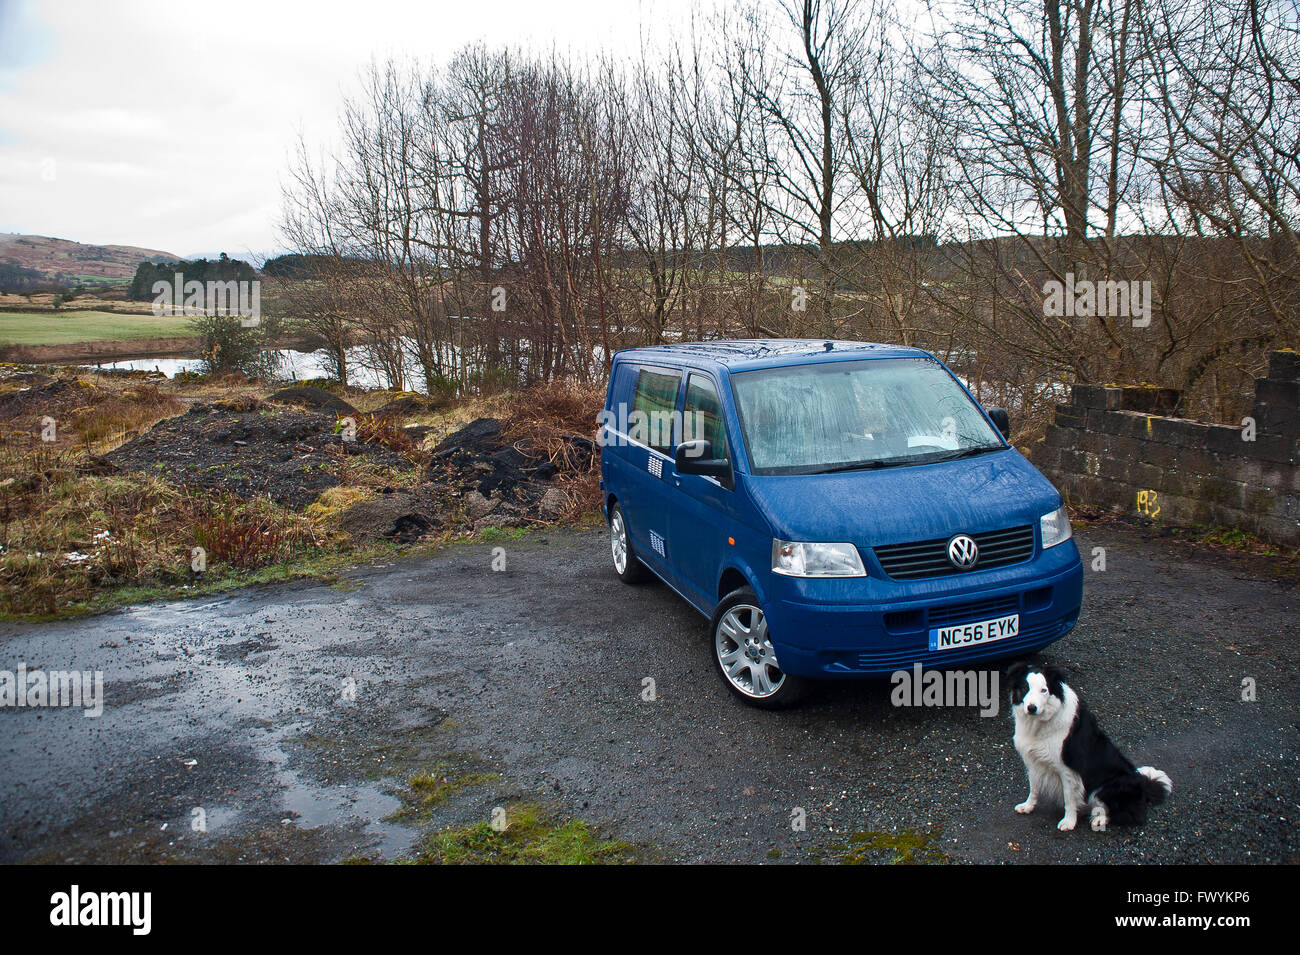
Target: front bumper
(838, 638)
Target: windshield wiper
(862, 466)
(909, 459)
(970, 452)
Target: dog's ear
(1055, 676)
(1015, 677)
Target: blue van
(836, 509)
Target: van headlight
(795, 559)
(1056, 528)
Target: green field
(65, 328)
(100, 280)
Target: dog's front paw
(1026, 807)
(1099, 823)
(1066, 824)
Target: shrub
(228, 345)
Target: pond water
(295, 365)
(298, 365)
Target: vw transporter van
(836, 509)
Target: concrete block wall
(1124, 449)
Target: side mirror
(696, 457)
(1002, 420)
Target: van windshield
(857, 415)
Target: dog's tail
(1156, 785)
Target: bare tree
(925, 186)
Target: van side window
(702, 415)
(656, 398)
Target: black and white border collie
(1069, 758)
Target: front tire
(627, 565)
(743, 654)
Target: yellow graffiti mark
(1148, 503)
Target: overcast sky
(168, 124)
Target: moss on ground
(429, 789)
(904, 847)
(528, 836)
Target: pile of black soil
(476, 478)
(410, 405)
(501, 482)
(32, 391)
(312, 399)
(478, 456)
(288, 455)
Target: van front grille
(974, 611)
(930, 558)
(905, 621)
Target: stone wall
(1124, 449)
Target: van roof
(742, 354)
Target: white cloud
(170, 125)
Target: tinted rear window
(656, 398)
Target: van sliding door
(703, 507)
(651, 431)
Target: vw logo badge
(963, 552)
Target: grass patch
(1234, 539)
(493, 535)
(325, 567)
(70, 537)
(530, 837)
(78, 325)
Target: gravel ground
(242, 707)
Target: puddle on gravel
(220, 817)
(311, 807)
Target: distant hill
(63, 259)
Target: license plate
(974, 634)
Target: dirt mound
(289, 456)
(478, 456)
(409, 404)
(303, 396)
(35, 390)
(475, 477)
(481, 434)
(505, 483)
(401, 516)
